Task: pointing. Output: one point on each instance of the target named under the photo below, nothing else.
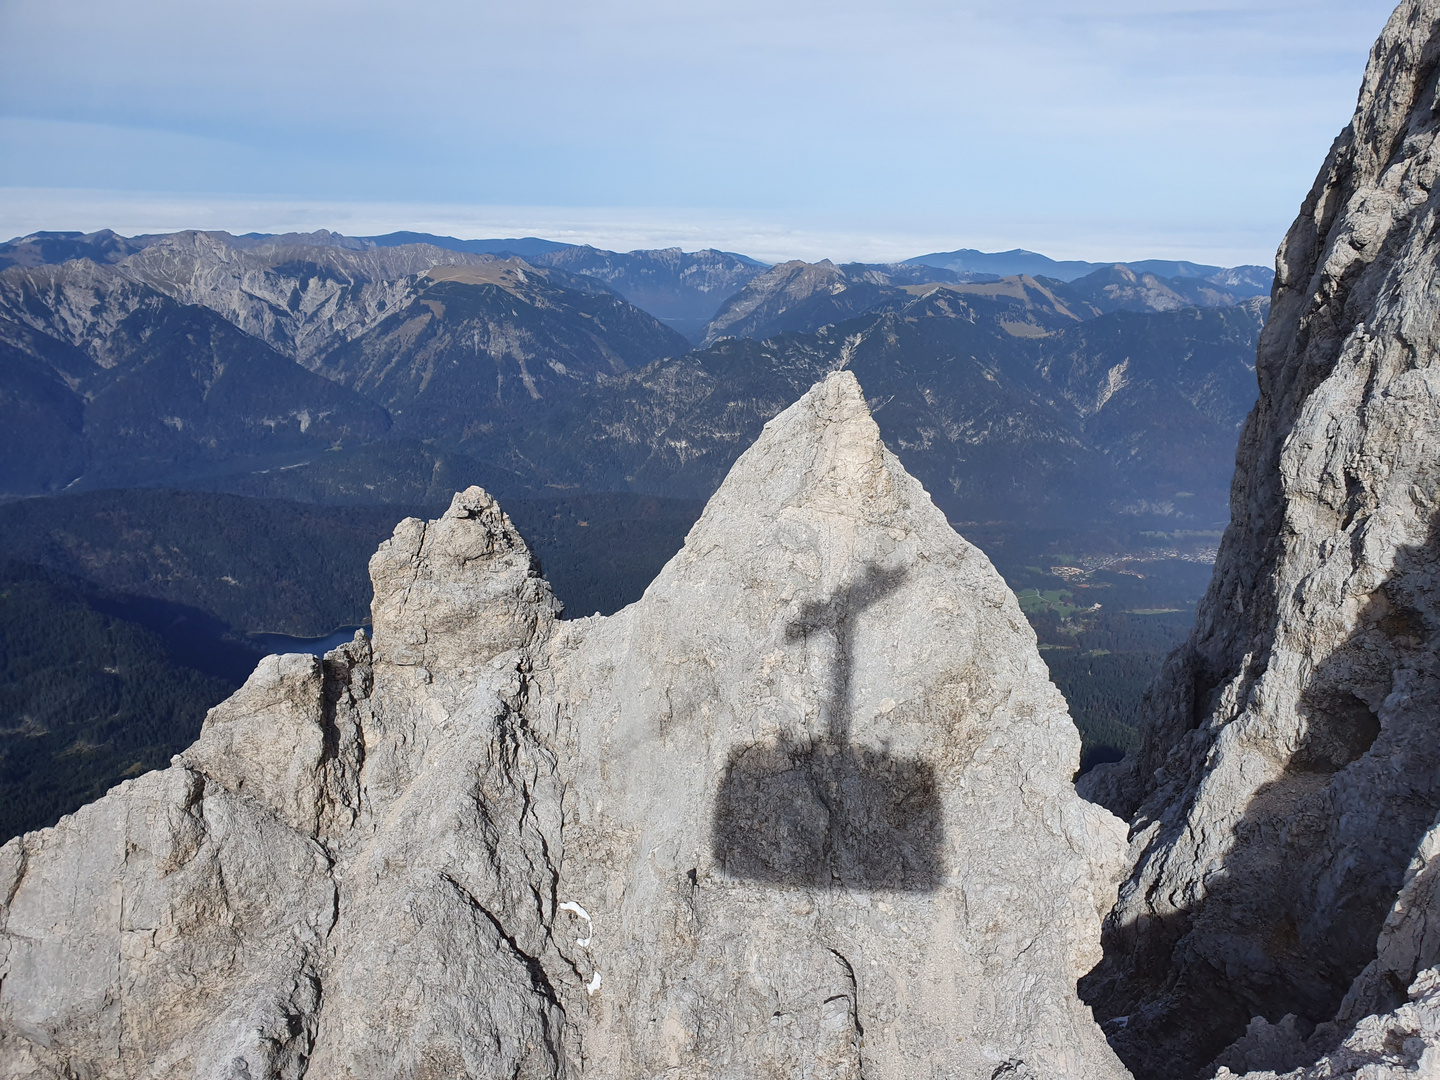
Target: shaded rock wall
(1289, 764)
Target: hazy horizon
(774, 244)
(1103, 130)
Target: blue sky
(1099, 129)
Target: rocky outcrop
(865, 849)
(803, 809)
(345, 876)
(1289, 769)
(1403, 1044)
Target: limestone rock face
(452, 594)
(300, 294)
(1290, 764)
(180, 925)
(820, 812)
(802, 810)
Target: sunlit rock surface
(804, 809)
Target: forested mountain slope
(485, 345)
(106, 385)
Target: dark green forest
(253, 564)
(1107, 608)
(87, 699)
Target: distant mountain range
(195, 353)
(1019, 261)
(803, 297)
(282, 400)
(341, 369)
(684, 290)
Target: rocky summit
(802, 810)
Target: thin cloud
(1160, 118)
(843, 238)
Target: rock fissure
(539, 979)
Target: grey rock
(300, 298)
(178, 926)
(1400, 1044)
(845, 860)
(1409, 941)
(1289, 767)
(803, 809)
(79, 303)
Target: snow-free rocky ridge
(1284, 798)
(804, 809)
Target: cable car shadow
(828, 813)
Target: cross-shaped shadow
(825, 813)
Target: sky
(1094, 129)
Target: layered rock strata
(802, 810)
(1290, 765)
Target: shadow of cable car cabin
(828, 813)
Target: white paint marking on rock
(570, 905)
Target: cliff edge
(1289, 767)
